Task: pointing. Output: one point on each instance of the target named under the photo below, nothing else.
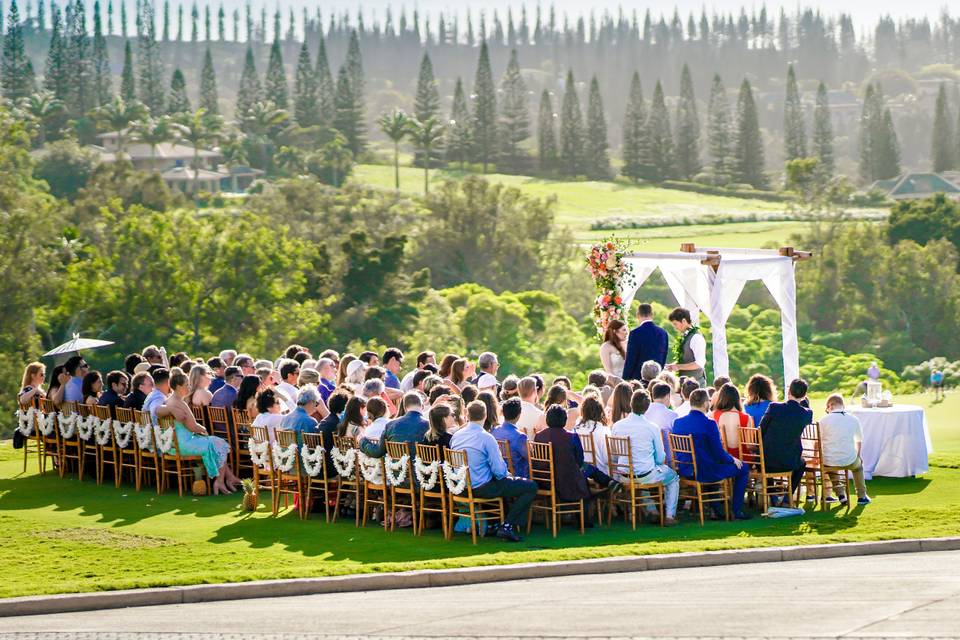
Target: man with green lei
(690, 349)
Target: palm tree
(262, 122)
(117, 116)
(425, 136)
(153, 131)
(41, 107)
(396, 126)
(198, 129)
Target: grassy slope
(65, 536)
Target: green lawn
(67, 536)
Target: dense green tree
(571, 130)
(306, 106)
(942, 146)
(718, 130)
(45, 112)
(16, 74)
(209, 98)
(128, 87)
(354, 65)
(66, 167)
(426, 101)
(484, 112)
(659, 157)
(634, 130)
(165, 30)
(396, 126)
(194, 27)
(887, 149)
(688, 129)
(596, 158)
(102, 80)
(275, 82)
(546, 134)
(178, 102)
(459, 142)
(349, 114)
(425, 136)
(80, 96)
(748, 162)
(326, 87)
(55, 77)
(823, 134)
(514, 116)
(794, 130)
(150, 79)
(249, 92)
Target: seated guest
(593, 422)
(493, 409)
(714, 464)
(489, 365)
(419, 380)
(116, 391)
(488, 472)
(392, 363)
(142, 385)
(200, 381)
(729, 416)
(155, 355)
(301, 419)
(328, 375)
(226, 395)
(461, 372)
(841, 437)
(531, 416)
(557, 396)
(440, 418)
(337, 404)
(130, 363)
(410, 428)
(377, 415)
(228, 356)
(192, 437)
(660, 413)
(423, 359)
(217, 368)
(247, 395)
(760, 393)
(719, 381)
(354, 418)
(569, 471)
(356, 374)
(620, 401)
(289, 376)
(510, 388)
(468, 394)
(369, 358)
(688, 386)
(669, 378)
(649, 371)
(781, 426)
(92, 387)
(246, 364)
(161, 389)
(31, 387)
(517, 439)
(649, 457)
(601, 381)
(77, 368)
(268, 413)
(312, 376)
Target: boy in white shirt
(840, 439)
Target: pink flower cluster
(606, 265)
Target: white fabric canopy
(697, 287)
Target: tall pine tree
(426, 105)
(597, 159)
(823, 134)
(80, 96)
(102, 80)
(349, 116)
(659, 157)
(748, 162)
(514, 116)
(794, 130)
(484, 126)
(150, 81)
(305, 105)
(275, 82)
(178, 103)
(249, 91)
(458, 132)
(688, 129)
(209, 99)
(634, 130)
(55, 70)
(942, 147)
(888, 149)
(879, 147)
(718, 131)
(546, 134)
(571, 130)
(128, 85)
(16, 73)
(326, 89)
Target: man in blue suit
(646, 342)
(713, 462)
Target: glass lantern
(874, 393)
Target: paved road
(906, 595)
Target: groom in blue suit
(646, 342)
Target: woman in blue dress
(760, 393)
(193, 438)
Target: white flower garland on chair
(164, 439)
(26, 420)
(102, 430)
(398, 469)
(122, 433)
(284, 457)
(48, 422)
(68, 425)
(426, 473)
(85, 427)
(456, 479)
(370, 468)
(258, 453)
(312, 460)
(142, 432)
(344, 462)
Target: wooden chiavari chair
(590, 457)
(542, 472)
(173, 463)
(106, 453)
(351, 485)
(149, 460)
(51, 442)
(200, 415)
(374, 494)
(427, 499)
(636, 495)
(478, 510)
(219, 423)
(691, 488)
(764, 484)
(833, 477)
(239, 426)
(322, 485)
(32, 442)
(505, 453)
(88, 446)
(405, 495)
(811, 452)
(264, 477)
(289, 483)
(126, 456)
(70, 448)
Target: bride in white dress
(613, 351)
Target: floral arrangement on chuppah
(611, 273)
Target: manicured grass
(67, 536)
(579, 203)
(751, 235)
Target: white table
(896, 441)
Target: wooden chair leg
(473, 522)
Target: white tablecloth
(896, 441)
